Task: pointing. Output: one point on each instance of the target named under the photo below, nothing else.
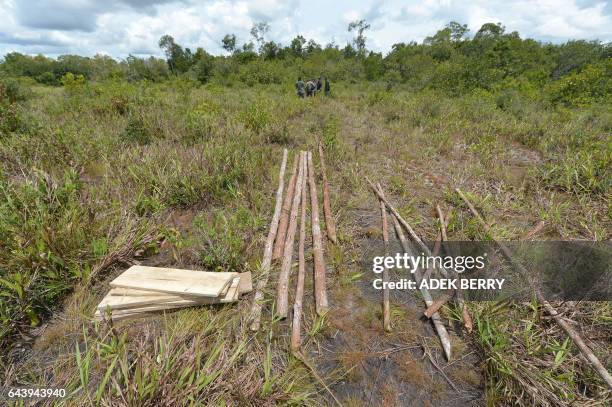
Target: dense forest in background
(451, 61)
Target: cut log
(255, 315)
(321, 304)
(385, 273)
(296, 339)
(174, 281)
(533, 232)
(436, 319)
(330, 224)
(282, 289)
(437, 304)
(569, 330)
(281, 234)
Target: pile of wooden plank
(140, 291)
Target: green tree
(179, 59)
(229, 42)
(203, 65)
(258, 32)
(360, 26)
(296, 48)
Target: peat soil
(404, 367)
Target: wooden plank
(126, 298)
(146, 308)
(174, 281)
(118, 314)
(246, 282)
(246, 286)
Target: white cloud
(121, 27)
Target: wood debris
(398, 222)
(569, 330)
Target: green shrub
(72, 83)
(591, 85)
(226, 237)
(256, 117)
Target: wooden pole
(279, 244)
(467, 320)
(385, 273)
(317, 246)
(255, 316)
(282, 290)
(296, 339)
(571, 332)
(330, 224)
(435, 318)
(406, 225)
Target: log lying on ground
(533, 232)
(437, 304)
(317, 246)
(255, 316)
(279, 243)
(296, 339)
(385, 273)
(467, 320)
(571, 332)
(330, 224)
(282, 290)
(436, 319)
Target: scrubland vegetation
(174, 162)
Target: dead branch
(317, 246)
(255, 316)
(282, 290)
(571, 332)
(385, 273)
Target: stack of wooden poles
(281, 238)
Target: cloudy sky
(121, 27)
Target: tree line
(452, 60)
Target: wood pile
(290, 212)
(140, 291)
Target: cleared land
(175, 175)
